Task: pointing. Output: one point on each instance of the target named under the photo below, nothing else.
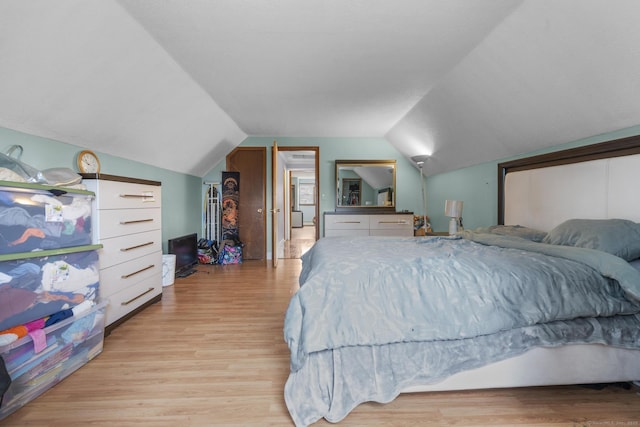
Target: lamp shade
(419, 160)
(453, 208)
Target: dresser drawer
(346, 222)
(391, 225)
(120, 222)
(345, 233)
(392, 232)
(126, 195)
(120, 276)
(391, 222)
(126, 300)
(123, 248)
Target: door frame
(316, 150)
(274, 208)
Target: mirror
(365, 184)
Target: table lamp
(453, 209)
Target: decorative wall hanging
(230, 204)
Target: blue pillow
(618, 237)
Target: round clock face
(88, 162)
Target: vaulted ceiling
(178, 84)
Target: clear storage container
(70, 344)
(40, 217)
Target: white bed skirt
(571, 364)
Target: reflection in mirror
(365, 184)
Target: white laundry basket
(168, 269)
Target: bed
(550, 295)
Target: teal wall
(181, 201)
(477, 186)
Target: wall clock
(88, 162)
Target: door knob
(260, 210)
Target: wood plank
(212, 353)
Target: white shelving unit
(211, 220)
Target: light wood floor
(302, 239)
(212, 354)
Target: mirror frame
(365, 208)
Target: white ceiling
(466, 81)
(301, 161)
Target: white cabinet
(296, 219)
(339, 224)
(129, 227)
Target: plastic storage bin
(40, 217)
(71, 343)
(37, 284)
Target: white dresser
(129, 227)
(341, 224)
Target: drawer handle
(135, 298)
(347, 222)
(137, 196)
(136, 247)
(392, 222)
(136, 221)
(126, 276)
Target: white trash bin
(168, 269)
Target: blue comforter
(376, 291)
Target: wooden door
(251, 163)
